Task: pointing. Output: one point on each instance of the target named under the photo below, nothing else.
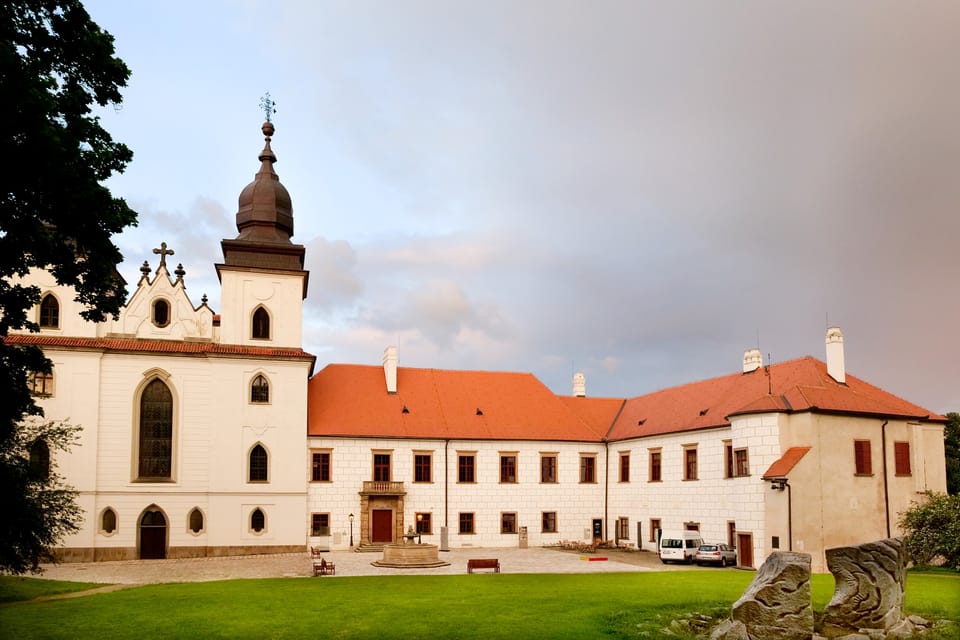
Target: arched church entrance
(153, 535)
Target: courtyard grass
(627, 605)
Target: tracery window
(156, 432)
(260, 390)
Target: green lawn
(478, 606)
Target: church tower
(262, 277)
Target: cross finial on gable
(163, 252)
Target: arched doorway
(153, 535)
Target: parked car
(720, 554)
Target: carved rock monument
(776, 605)
(869, 591)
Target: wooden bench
(483, 563)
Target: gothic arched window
(260, 389)
(258, 464)
(49, 312)
(258, 521)
(195, 520)
(108, 521)
(156, 432)
(261, 324)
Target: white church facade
(210, 434)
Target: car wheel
(723, 562)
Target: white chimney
(752, 360)
(835, 366)
(579, 385)
(390, 368)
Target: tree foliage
(34, 490)
(932, 529)
(951, 445)
(56, 66)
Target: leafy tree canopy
(951, 445)
(56, 66)
(933, 529)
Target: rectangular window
(422, 467)
(654, 529)
(319, 524)
(901, 458)
(424, 523)
(624, 467)
(42, 385)
(466, 523)
(728, 469)
(548, 467)
(508, 523)
(549, 522)
(381, 467)
(741, 462)
(655, 466)
(861, 457)
(588, 469)
(320, 467)
(623, 528)
(691, 526)
(690, 462)
(732, 533)
(508, 468)
(466, 467)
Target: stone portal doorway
(381, 530)
(153, 535)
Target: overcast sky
(636, 190)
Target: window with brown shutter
(861, 457)
(901, 458)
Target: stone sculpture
(776, 605)
(869, 591)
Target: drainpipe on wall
(606, 490)
(446, 485)
(886, 492)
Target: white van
(678, 546)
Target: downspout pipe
(886, 489)
(606, 491)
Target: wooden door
(153, 536)
(382, 529)
(745, 549)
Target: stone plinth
(410, 556)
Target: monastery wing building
(204, 434)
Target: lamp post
(419, 528)
(350, 518)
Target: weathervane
(269, 106)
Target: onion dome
(265, 213)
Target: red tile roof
(133, 345)
(796, 385)
(352, 400)
(597, 413)
(786, 462)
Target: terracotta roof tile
(599, 414)
(352, 400)
(132, 345)
(795, 385)
(781, 467)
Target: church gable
(160, 308)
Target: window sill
(863, 475)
